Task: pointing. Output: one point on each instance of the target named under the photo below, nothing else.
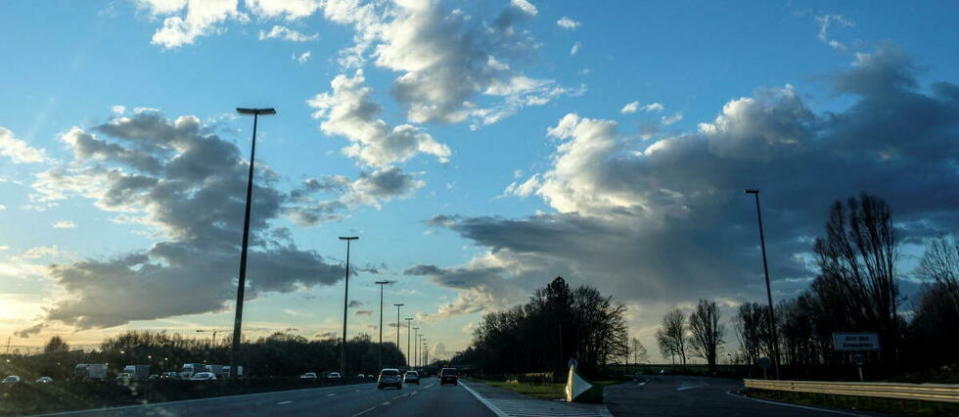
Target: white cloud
(525, 6)
(303, 57)
(288, 9)
(668, 120)
(630, 107)
(18, 150)
(567, 23)
(348, 111)
(64, 224)
(524, 188)
(287, 34)
(186, 20)
(575, 49)
(118, 109)
(633, 107)
(825, 21)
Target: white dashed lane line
(284, 402)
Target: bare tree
(639, 351)
(940, 263)
(751, 329)
(856, 259)
(706, 334)
(673, 334)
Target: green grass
(882, 405)
(543, 391)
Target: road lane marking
(484, 401)
(824, 410)
(331, 394)
(364, 411)
(385, 403)
(284, 402)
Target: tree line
(557, 324)
(856, 289)
(279, 354)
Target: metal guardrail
(920, 392)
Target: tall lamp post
(769, 295)
(380, 347)
(409, 338)
(346, 303)
(398, 327)
(416, 359)
(241, 284)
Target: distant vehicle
(153, 377)
(188, 369)
(169, 375)
(361, 376)
(90, 371)
(389, 377)
(203, 376)
(308, 375)
(124, 378)
(333, 375)
(219, 370)
(226, 371)
(44, 380)
(448, 376)
(137, 372)
(10, 380)
(411, 377)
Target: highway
(690, 396)
(429, 399)
(659, 396)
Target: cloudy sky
(478, 149)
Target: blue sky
(485, 135)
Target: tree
(706, 334)
(673, 334)
(639, 351)
(56, 345)
(856, 259)
(940, 264)
(752, 329)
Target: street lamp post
(409, 328)
(346, 303)
(769, 295)
(241, 284)
(398, 327)
(380, 346)
(416, 359)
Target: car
(389, 377)
(361, 376)
(308, 375)
(44, 380)
(203, 376)
(411, 377)
(10, 380)
(124, 377)
(333, 375)
(448, 376)
(169, 375)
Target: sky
(478, 150)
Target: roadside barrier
(921, 392)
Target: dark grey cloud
(182, 179)
(666, 221)
(364, 312)
(355, 303)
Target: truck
(136, 372)
(90, 371)
(188, 369)
(219, 370)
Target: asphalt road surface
(428, 399)
(687, 396)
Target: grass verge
(880, 405)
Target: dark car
(390, 377)
(448, 376)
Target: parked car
(448, 376)
(389, 377)
(44, 380)
(203, 376)
(361, 376)
(10, 380)
(124, 378)
(333, 375)
(411, 377)
(308, 375)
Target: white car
(361, 376)
(44, 380)
(333, 375)
(411, 377)
(308, 375)
(10, 380)
(203, 376)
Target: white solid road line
(484, 401)
(364, 411)
(284, 402)
(804, 407)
